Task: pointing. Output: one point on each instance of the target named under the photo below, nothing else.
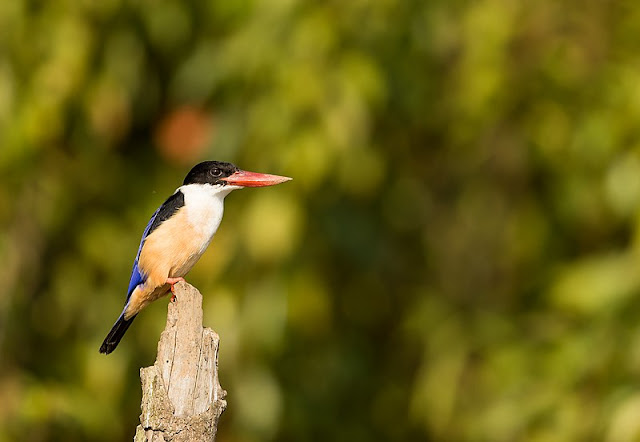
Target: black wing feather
(166, 211)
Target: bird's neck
(204, 206)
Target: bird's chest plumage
(202, 220)
(201, 217)
(177, 244)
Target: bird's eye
(216, 172)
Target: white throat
(204, 207)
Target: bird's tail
(117, 332)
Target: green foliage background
(457, 258)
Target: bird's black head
(210, 172)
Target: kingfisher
(177, 235)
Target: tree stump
(181, 396)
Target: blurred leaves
(455, 259)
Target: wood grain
(181, 395)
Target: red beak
(253, 179)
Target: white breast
(204, 207)
(175, 246)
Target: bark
(181, 396)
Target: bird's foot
(172, 282)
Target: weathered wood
(181, 396)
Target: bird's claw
(172, 282)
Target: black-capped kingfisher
(177, 235)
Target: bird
(177, 235)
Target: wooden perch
(181, 396)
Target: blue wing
(164, 212)
(137, 277)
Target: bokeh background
(457, 258)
